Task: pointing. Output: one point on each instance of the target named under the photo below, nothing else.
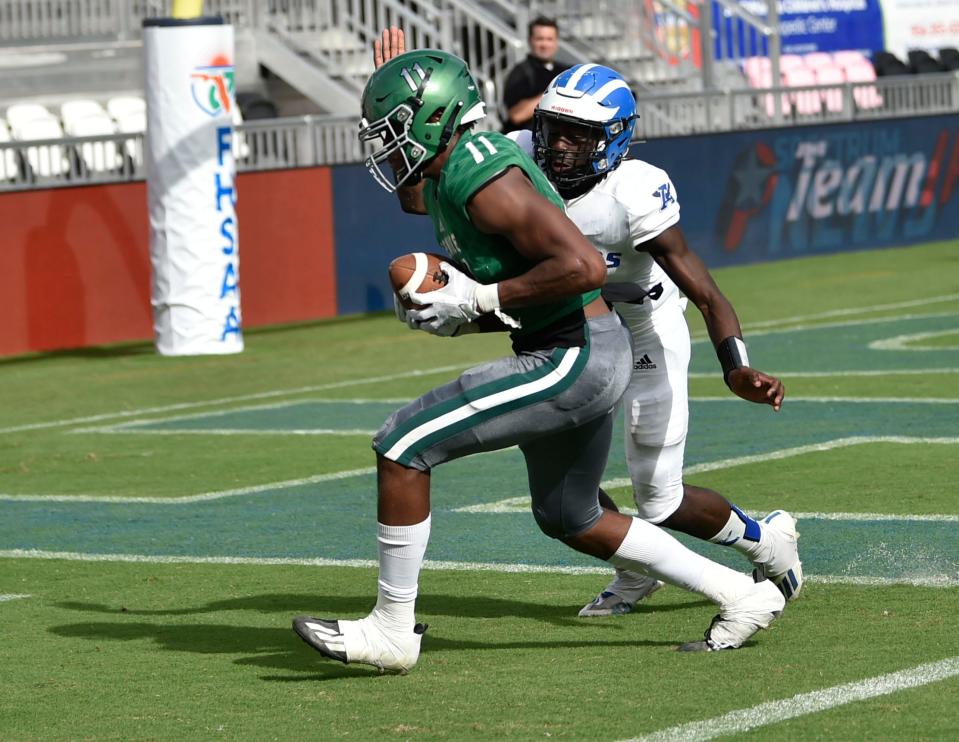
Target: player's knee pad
(560, 520)
(657, 476)
(655, 504)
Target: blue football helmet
(592, 108)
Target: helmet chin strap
(447, 132)
(416, 103)
(445, 137)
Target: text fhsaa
(226, 205)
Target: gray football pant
(555, 404)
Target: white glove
(402, 313)
(398, 309)
(429, 323)
(460, 301)
(428, 320)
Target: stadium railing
(310, 141)
(266, 144)
(735, 110)
(46, 21)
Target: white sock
(744, 535)
(648, 548)
(401, 555)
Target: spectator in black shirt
(526, 81)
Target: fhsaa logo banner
(194, 236)
(212, 86)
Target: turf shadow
(558, 614)
(91, 353)
(272, 647)
(278, 648)
(280, 603)
(335, 606)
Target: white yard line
(507, 505)
(854, 311)
(847, 373)
(202, 497)
(230, 400)
(911, 518)
(936, 581)
(786, 453)
(521, 505)
(909, 342)
(803, 704)
(782, 325)
(787, 327)
(863, 581)
(127, 424)
(517, 504)
(121, 430)
(131, 427)
(851, 400)
(291, 561)
(12, 596)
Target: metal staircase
(659, 45)
(334, 40)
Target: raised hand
(391, 44)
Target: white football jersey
(631, 205)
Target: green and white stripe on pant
(475, 400)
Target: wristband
(732, 355)
(487, 297)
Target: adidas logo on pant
(645, 363)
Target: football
(417, 271)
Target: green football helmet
(413, 104)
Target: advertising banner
(766, 195)
(920, 24)
(819, 25)
(190, 184)
(804, 191)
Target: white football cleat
(362, 641)
(740, 619)
(620, 595)
(783, 567)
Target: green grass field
(162, 520)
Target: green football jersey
(476, 160)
